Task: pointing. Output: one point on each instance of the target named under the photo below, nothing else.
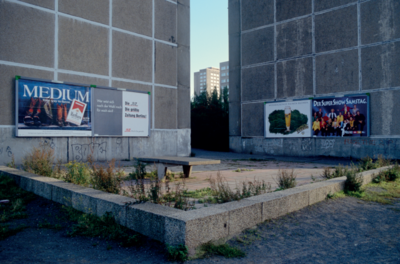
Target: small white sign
(135, 120)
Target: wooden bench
(186, 162)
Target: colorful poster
(288, 119)
(46, 109)
(341, 116)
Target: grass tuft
(286, 179)
(177, 253)
(223, 250)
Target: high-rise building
(206, 80)
(224, 75)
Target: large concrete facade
(133, 44)
(280, 49)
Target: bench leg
(187, 170)
(161, 171)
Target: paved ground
(252, 167)
(345, 230)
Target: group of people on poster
(339, 121)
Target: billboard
(45, 109)
(54, 109)
(287, 119)
(346, 116)
(127, 113)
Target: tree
(210, 120)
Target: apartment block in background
(224, 75)
(206, 80)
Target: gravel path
(344, 230)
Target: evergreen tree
(210, 120)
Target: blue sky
(208, 34)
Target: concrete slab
(165, 15)
(295, 78)
(336, 29)
(133, 15)
(256, 13)
(165, 112)
(252, 125)
(337, 72)
(128, 48)
(243, 214)
(294, 38)
(97, 11)
(258, 46)
(82, 47)
(290, 9)
(258, 83)
(149, 219)
(19, 23)
(322, 4)
(380, 21)
(62, 192)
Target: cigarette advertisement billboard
(53, 109)
(288, 119)
(346, 116)
(47, 109)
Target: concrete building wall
(283, 50)
(137, 44)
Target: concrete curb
(173, 226)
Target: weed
(177, 253)
(109, 247)
(367, 163)
(12, 163)
(382, 162)
(198, 193)
(155, 193)
(286, 179)
(48, 225)
(249, 237)
(15, 209)
(242, 170)
(223, 250)
(77, 172)
(338, 171)
(140, 171)
(106, 179)
(221, 190)
(39, 161)
(6, 231)
(105, 227)
(391, 174)
(353, 181)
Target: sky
(208, 35)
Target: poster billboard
(45, 108)
(288, 119)
(54, 109)
(346, 116)
(135, 121)
(121, 113)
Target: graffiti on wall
(327, 144)
(80, 152)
